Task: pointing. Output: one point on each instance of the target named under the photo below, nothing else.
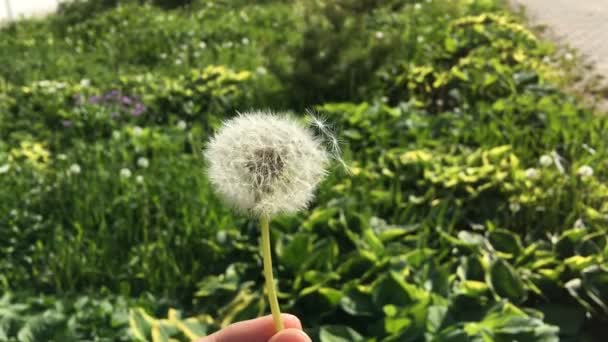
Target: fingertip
(291, 321)
(290, 335)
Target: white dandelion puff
(139, 179)
(143, 162)
(585, 171)
(125, 173)
(266, 164)
(546, 160)
(182, 125)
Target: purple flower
(95, 99)
(66, 123)
(138, 110)
(112, 95)
(126, 100)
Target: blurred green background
(475, 210)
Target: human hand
(260, 330)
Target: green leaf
(568, 318)
(390, 289)
(506, 282)
(505, 241)
(357, 303)
(435, 317)
(294, 254)
(338, 333)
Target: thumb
(290, 335)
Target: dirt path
(581, 24)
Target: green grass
(446, 228)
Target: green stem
(270, 287)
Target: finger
(290, 335)
(255, 330)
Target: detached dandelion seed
(266, 164)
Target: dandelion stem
(270, 287)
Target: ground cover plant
(475, 207)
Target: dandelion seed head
(266, 164)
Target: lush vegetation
(475, 208)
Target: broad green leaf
(358, 303)
(505, 241)
(506, 282)
(338, 333)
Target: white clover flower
(379, 34)
(139, 179)
(417, 7)
(245, 41)
(546, 160)
(182, 125)
(266, 164)
(74, 169)
(585, 171)
(85, 82)
(125, 173)
(532, 173)
(514, 207)
(221, 236)
(4, 168)
(261, 70)
(137, 131)
(143, 162)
